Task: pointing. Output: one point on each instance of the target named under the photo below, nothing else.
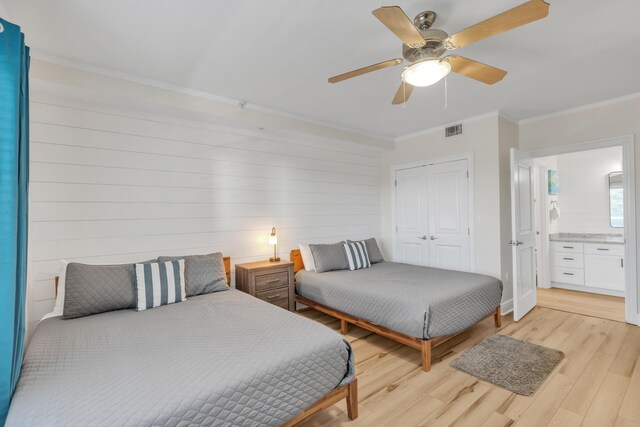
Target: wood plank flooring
(597, 384)
(603, 306)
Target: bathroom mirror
(616, 205)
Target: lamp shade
(273, 238)
(426, 72)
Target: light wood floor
(597, 384)
(603, 306)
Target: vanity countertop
(588, 238)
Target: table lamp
(273, 240)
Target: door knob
(515, 243)
(432, 237)
(423, 237)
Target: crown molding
(534, 119)
(509, 117)
(442, 127)
(581, 108)
(43, 56)
(301, 118)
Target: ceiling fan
(424, 46)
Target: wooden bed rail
(349, 392)
(424, 345)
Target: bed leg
(497, 317)
(344, 327)
(352, 399)
(425, 348)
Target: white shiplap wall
(584, 190)
(112, 185)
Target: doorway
(581, 199)
(433, 214)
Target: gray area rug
(515, 365)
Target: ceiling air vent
(453, 130)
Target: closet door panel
(449, 215)
(412, 217)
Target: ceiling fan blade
(512, 18)
(475, 70)
(403, 94)
(364, 70)
(397, 21)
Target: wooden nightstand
(269, 281)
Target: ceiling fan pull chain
(446, 94)
(404, 94)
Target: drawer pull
(568, 274)
(273, 281)
(567, 247)
(602, 249)
(273, 296)
(568, 259)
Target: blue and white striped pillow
(160, 283)
(357, 255)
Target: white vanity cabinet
(589, 267)
(567, 263)
(604, 266)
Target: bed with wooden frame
(425, 346)
(349, 391)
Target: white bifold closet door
(432, 216)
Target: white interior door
(522, 234)
(449, 234)
(412, 216)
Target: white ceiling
(279, 54)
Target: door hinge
(396, 228)
(396, 182)
(468, 231)
(467, 174)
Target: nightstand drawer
(271, 281)
(279, 297)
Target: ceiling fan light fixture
(426, 72)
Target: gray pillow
(329, 257)
(373, 250)
(203, 274)
(93, 289)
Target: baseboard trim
(506, 307)
(588, 289)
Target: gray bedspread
(221, 359)
(418, 301)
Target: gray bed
(417, 301)
(219, 359)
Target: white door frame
(542, 212)
(468, 156)
(629, 187)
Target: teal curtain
(14, 187)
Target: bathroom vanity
(588, 262)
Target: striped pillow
(357, 255)
(160, 283)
